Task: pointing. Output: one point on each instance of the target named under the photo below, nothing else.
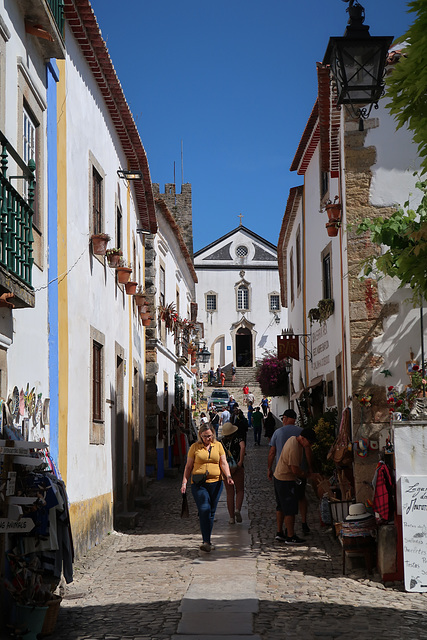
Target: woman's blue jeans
(206, 497)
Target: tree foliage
(407, 84)
(404, 235)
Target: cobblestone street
(131, 586)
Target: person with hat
(277, 442)
(234, 447)
(288, 476)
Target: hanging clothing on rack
(383, 492)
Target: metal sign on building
(287, 347)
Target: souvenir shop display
(35, 532)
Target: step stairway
(244, 375)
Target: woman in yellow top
(206, 455)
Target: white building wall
(94, 298)
(24, 332)
(221, 277)
(178, 278)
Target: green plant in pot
(322, 312)
(113, 256)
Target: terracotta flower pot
(334, 212)
(130, 287)
(113, 259)
(143, 308)
(123, 274)
(146, 322)
(144, 315)
(99, 243)
(140, 299)
(332, 229)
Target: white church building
(238, 298)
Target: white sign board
(414, 522)
(16, 526)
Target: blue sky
(235, 80)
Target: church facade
(238, 298)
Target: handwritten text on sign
(15, 526)
(414, 520)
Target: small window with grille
(274, 302)
(241, 251)
(211, 302)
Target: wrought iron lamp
(357, 61)
(203, 353)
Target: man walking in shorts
(288, 476)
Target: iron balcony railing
(16, 216)
(57, 9)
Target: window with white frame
(243, 297)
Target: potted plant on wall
(333, 209)
(332, 228)
(113, 257)
(168, 315)
(123, 271)
(99, 243)
(322, 312)
(131, 287)
(139, 296)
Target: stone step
(126, 520)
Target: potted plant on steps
(99, 243)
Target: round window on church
(241, 251)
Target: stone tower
(180, 206)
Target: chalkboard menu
(414, 521)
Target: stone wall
(151, 368)
(366, 313)
(180, 206)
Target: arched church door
(244, 355)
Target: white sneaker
(231, 521)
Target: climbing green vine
(404, 235)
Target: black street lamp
(203, 354)
(357, 61)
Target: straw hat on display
(357, 512)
